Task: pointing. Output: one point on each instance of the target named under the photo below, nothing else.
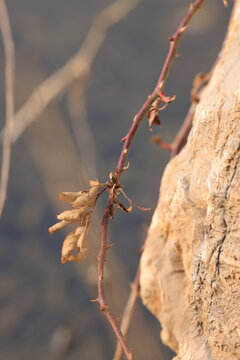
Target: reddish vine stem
(172, 53)
(179, 140)
(101, 293)
(182, 134)
(129, 311)
(153, 100)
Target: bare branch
(101, 293)
(78, 67)
(81, 129)
(181, 136)
(9, 100)
(129, 312)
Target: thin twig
(172, 53)
(101, 293)
(78, 67)
(129, 312)
(183, 132)
(198, 86)
(9, 100)
(82, 132)
(179, 140)
(154, 97)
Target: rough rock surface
(190, 269)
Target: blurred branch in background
(81, 130)
(129, 312)
(9, 100)
(78, 67)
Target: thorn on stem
(110, 245)
(119, 318)
(103, 307)
(95, 300)
(126, 167)
(96, 256)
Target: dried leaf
(59, 226)
(69, 245)
(69, 196)
(111, 211)
(95, 183)
(79, 257)
(82, 200)
(88, 197)
(153, 118)
(75, 245)
(81, 232)
(75, 214)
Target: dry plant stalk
(9, 100)
(129, 312)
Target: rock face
(190, 268)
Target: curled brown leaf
(69, 245)
(75, 244)
(75, 214)
(153, 118)
(60, 225)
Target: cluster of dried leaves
(74, 247)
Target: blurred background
(45, 308)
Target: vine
(83, 202)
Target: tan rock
(190, 268)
